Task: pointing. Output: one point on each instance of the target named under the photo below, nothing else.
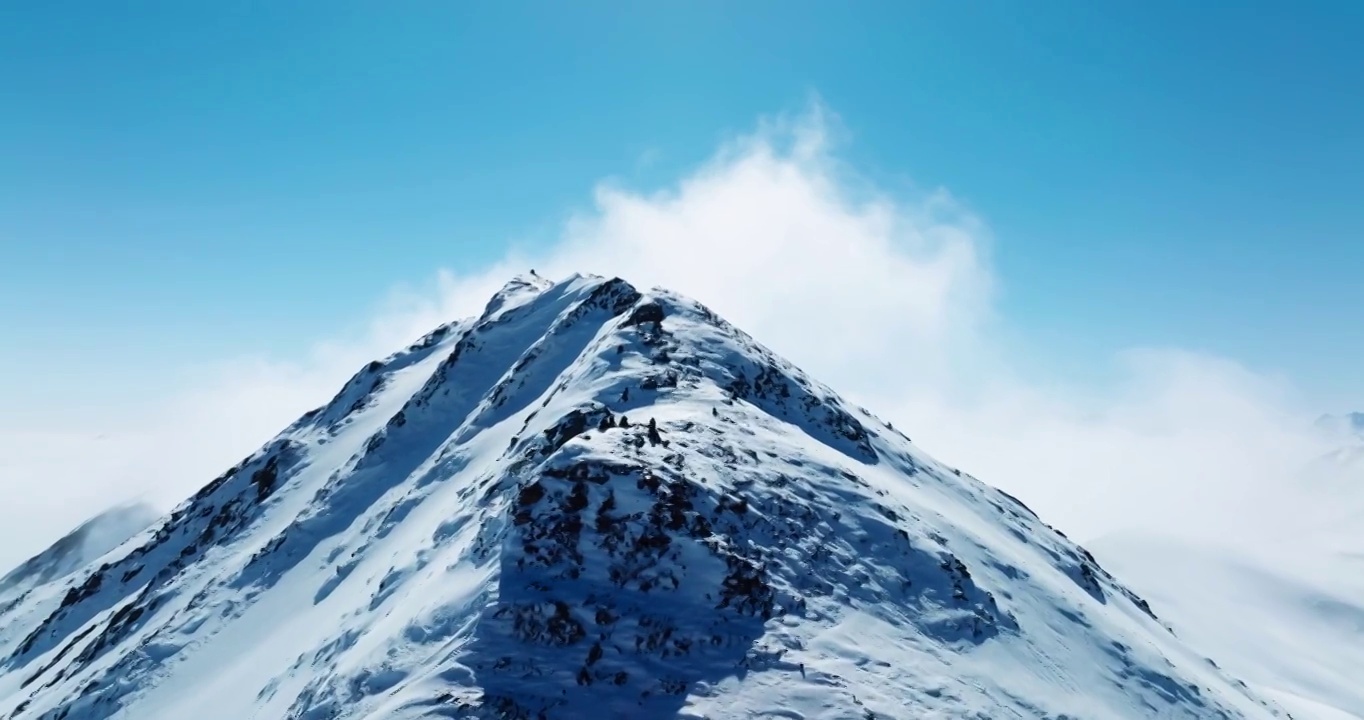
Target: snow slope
(1291, 623)
(600, 503)
(1282, 606)
(81, 546)
(27, 592)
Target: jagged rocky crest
(592, 501)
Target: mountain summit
(596, 502)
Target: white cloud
(888, 298)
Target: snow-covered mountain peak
(595, 501)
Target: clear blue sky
(177, 178)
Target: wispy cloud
(888, 298)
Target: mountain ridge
(89, 540)
(474, 527)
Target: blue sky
(185, 181)
(1106, 256)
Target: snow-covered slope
(89, 541)
(1281, 605)
(24, 589)
(600, 503)
(1289, 620)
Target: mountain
(81, 546)
(1286, 616)
(596, 502)
(1348, 424)
(1282, 603)
(1345, 464)
(22, 589)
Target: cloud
(888, 298)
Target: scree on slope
(596, 502)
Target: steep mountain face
(595, 502)
(90, 541)
(81, 546)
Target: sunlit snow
(597, 502)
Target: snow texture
(80, 547)
(596, 502)
(1282, 607)
(1291, 623)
